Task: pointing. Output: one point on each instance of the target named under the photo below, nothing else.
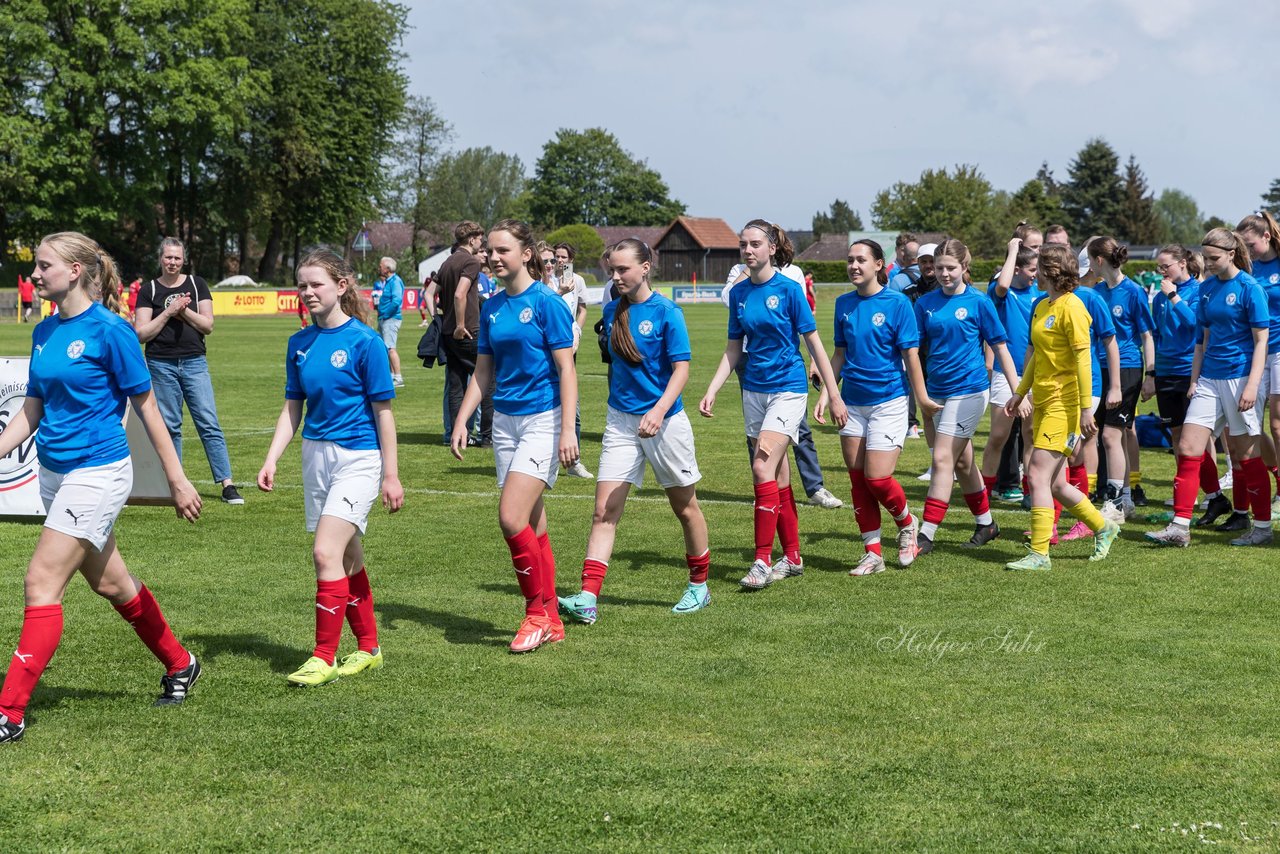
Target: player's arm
(392, 491)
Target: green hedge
(981, 270)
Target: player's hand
(929, 407)
(1191, 390)
(460, 333)
(1025, 408)
(1167, 287)
(820, 409)
(267, 477)
(177, 305)
(706, 405)
(1011, 406)
(458, 441)
(839, 412)
(392, 493)
(1148, 388)
(651, 423)
(1088, 426)
(1114, 398)
(569, 453)
(1248, 397)
(186, 500)
(1014, 245)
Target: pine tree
(1094, 192)
(1136, 220)
(1271, 198)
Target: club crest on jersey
(75, 349)
(1117, 310)
(1231, 299)
(646, 327)
(772, 301)
(877, 319)
(1048, 321)
(338, 358)
(526, 315)
(1274, 279)
(962, 313)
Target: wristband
(1151, 373)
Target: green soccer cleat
(314, 673)
(1032, 561)
(1102, 541)
(360, 661)
(580, 607)
(695, 598)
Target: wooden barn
(705, 247)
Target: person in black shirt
(173, 316)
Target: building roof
(650, 234)
(829, 247)
(709, 232)
(395, 238)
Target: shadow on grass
(281, 659)
(457, 629)
(461, 469)
(563, 589)
(734, 497)
(47, 698)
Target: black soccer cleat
(924, 544)
(1219, 505)
(982, 534)
(1139, 496)
(175, 688)
(1237, 521)
(11, 732)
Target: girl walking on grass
(1226, 380)
(1059, 377)
(875, 333)
(767, 315)
(85, 366)
(646, 422)
(526, 346)
(339, 368)
(955, 321)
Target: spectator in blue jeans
(172, 318)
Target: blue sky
(747, 109)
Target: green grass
(787, 719)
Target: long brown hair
(877, 253)
(1178, 252)
(955, 249)
(1228, 241)
(523, 234)
(783, 251)
(101, 277)
(1110, 250)
(1263, 224)
(620, 338)
(351, 301)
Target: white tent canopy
(237, 282)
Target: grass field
(1128, 705)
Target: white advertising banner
(20, 470)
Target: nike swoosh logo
(524, 571)
(21, 657)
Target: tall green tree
(839, 218)
(1136, 220)
(1032, 203)
(961, 203)
(478, 184)
(1271, 198)
(413, 161)
(1094, 192)
(1180, 218)
(587, 176)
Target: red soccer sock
(788, 524)
(766, 519)
(526, 557)
(866, 510)
(1239, 493)
(699, 566)
(549, 602)
(1258, 488)
(143, 613)
(1078, 476)
(1026, 485)
(989, 481)
(934, 511)
(1057, 512)
(41, 631)
(331, 611)
(1185, 482)
(593, 572)
(888, 493)
(978, 502)
(1209, 474)
(360, 611)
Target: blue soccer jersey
(873, 331)
(953, 330)
(767, 318)
(1131, 317)
(1175, 329)
(520, 333)
(658, 330)
(84, 369)
(1014, 310)
(1231, 310)
(1267, 274)
(1100, 331)
(339, 372)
